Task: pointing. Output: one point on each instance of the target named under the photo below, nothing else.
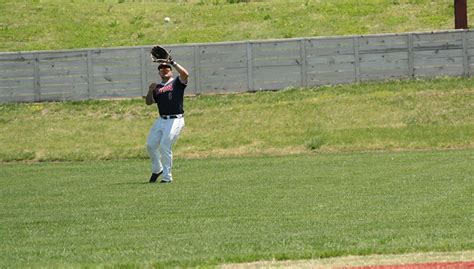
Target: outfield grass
(300, 186)
(235, 209)
(384, 116)
(52, 25)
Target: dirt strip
(433, 265)
(428, 260)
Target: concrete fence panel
(236, 66)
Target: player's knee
(165, 148)
(151, 146)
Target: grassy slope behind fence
(51, 25)
(397, 115)
(235, 209)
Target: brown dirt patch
(429, 260)
(433, 265)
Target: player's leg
(171, 133)
(152, 145)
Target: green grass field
(51, 25)
(297, 174)
(104, 214)
(299, 187)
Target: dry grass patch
(352, 261)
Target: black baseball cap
(163, 65)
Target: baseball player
(168, 95)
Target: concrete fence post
(143, 71)
(250, 80)
(36, 78)
(304, 79)
(197, 71)
(356, 59)
(465, 55)
(90, 76)
(411, 56)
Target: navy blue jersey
(169, 97)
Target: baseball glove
(160, 55)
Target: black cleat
(154, 177)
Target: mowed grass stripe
(235, 209)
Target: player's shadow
(133, 183)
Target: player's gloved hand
(171, 61)
(160, 55)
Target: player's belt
(168, 117)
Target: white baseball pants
(163, 134)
